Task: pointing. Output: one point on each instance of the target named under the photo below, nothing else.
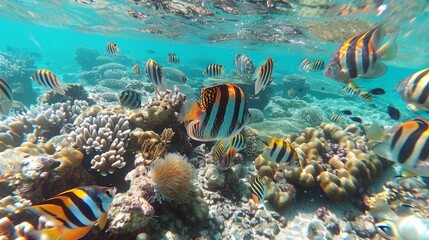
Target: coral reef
(334, 158)
(173, 177)
(256, 115)
(13, 130)
(86, 57)
(313, 116)
(73, 92)
(106, 137)
(48, 120)
(298, 83)
(149, 144)
(215, 178)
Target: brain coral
(173, 177)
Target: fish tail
(382, 210)
(54, 233)
(389, 49)
(190, 111)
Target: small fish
(375, 132)
(347, 112)
(130, 99)
(155, 74)
(264, 75)
(318, 65)
(259, 189)
(222, 113)
(351, 88)
(366, 96)
(280, 152)
(360, 56)
(377, 91)
(393, 226)
(243, 65)
(136, 69)
(112, 48)
(225, 150)
(183, 78)
(214, 70)
(414, 90)
(291, 92)
(356, 119)
(75, 211)
(6, 97)
(304, 65)
(393, 112)
(48, 79)
(407, 146)
(308, 66)
(173, 58)
(336, 118)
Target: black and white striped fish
(336, 118)
(130, 99)
(360, 56)
(351, 88)
(183, 78)
(259, 189)
(224, 151)
(136, 69)
(155, 74)
(221, 114)
(6, 97)
(303, 66)
(408, 146)
(75, 211)
(264, 75)
(415, 90)
(173, 58)
(243, 65)
(308, 66)
(112, 48)
(49, 80)
(280, 152)
(366, 96)
(214, 70)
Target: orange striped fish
(49, 80)
(415, 90)
(264, 75)
(75, 211)
(225, 150)
(360, 56)
(221, 114)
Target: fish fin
(382, 150)
(190, 111)
(379, 70)
(412, 108)
(377, 36)
(54, 233)
(389, 49)
(75, 233)
(102, 221)
(407, 173)
(194, 130)
(382, 210)
(387, 229)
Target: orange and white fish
(415, 90)
(360, 56)
(75, 211)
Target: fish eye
(108, 193)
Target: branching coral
(313, 116)
(106, 136)
(173, 177)
(48, 120)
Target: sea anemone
(173, 177)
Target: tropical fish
(375, 132)
(112, 48)
(172, 58)
(214, 70)
(48, 79)
(303, 66)
(130, 99)
(395, 227)
(243, 65)
(136, 69)
(75, 211)
(347, 112)
(407, 145)
(356, 119)
(366, 96)
(225, 150)
(336, 118)
(155, 74)
(393, 112)
(351, 88)
(360, 56)
(308, 66)
(264, 75)
(415, 90)
(280, 152)
(259, 189)
(291, 92)
(222, 113)
(377, 91)
(183, 78)
(6, 97)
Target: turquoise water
(47, 140)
